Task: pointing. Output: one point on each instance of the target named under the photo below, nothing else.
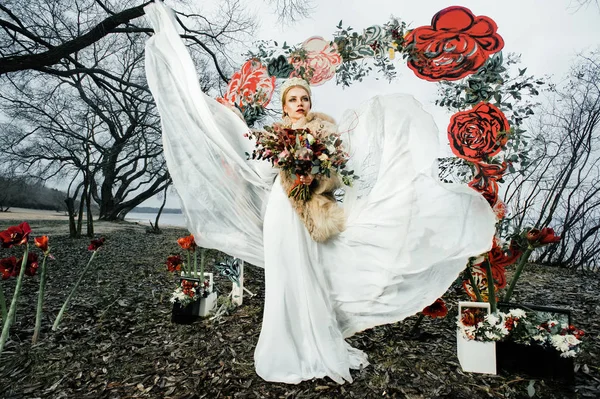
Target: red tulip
(187, 243)
(41, 243)
(541, 237)
(174, 263)
(15, 235)
(436, 309)
(96, 244)
(8, 267)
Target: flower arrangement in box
(189, 291)
(517, 325)
(193, 285)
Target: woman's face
(297, 103)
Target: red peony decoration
(478, 133)
(250, 85)
(320, 60)
(456, 44)
(486, 179)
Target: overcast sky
(547, 33)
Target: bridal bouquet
(299, 153)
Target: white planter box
(475, 356)
(207, 304)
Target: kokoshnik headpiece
(291, 82)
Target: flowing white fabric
(407, 238)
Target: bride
(394, 245)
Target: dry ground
(117, 341)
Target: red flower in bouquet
(96, 244)
(436, 309)
(189, 287)
(187, 243)
(537, 238)
(42, 243)
(472, 316)
(8, 267)
(15, 235)
(478, 133)
(456, 44)
(174, 263)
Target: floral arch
(462, 53)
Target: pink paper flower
(320, 63)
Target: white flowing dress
(408, 236)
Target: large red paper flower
(479, 276)
(320, 60)
(478, 133)
(15, 235)
(436, 309)
(456, 44)
(251, 85)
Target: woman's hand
(307, 179)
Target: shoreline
(58, 222)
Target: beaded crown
(291, 82)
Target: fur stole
(321, 214)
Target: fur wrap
(320, 214)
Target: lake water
(166, 219)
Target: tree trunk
(70, 202)
(80, 216)
(90, 216)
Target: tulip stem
(491, 288)
(202, 263)
(13, 304)
(64, 306)
(195, 263)
(187, 267)
(38, 314)
(3, 303)
(415, 327)
(473, 284)
(517, 274)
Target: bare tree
(91, 116)
(28, 43)
(562, 187)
